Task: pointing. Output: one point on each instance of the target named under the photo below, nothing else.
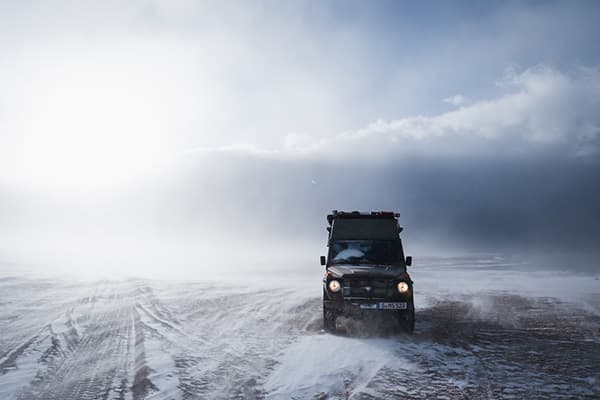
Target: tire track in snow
(193, 340)
(89, 369)
(141, 385)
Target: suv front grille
(368, 288)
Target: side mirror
(408, 261)
(323, 260)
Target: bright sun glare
(98, 119)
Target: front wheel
(407, 321)
(329, 318)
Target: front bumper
(362, 308)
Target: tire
(329, 318)
(407, 322)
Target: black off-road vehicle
(365, 273)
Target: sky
(171, 132)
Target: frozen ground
(486, 329)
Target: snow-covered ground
(486, 328)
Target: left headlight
(402, 287)
(334, 286)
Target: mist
(512, 175)
(238, 211)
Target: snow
(326, 363)
(485, 328)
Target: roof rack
(354, 214)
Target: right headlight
(334, 286)
(402, 287)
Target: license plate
(369, 306)
(393, 306)
(384, 306)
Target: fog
(155, 140)
(224, 212)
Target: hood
(364, 271)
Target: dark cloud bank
(543, 205)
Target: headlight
(403, 287)
(334, 286)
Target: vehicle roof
(374, 225)
(361, 214)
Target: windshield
(365, 252)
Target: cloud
(94, 81)
(456, 100)
(542, 106)
(538, 109)
(502, 174)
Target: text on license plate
(384, 306)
